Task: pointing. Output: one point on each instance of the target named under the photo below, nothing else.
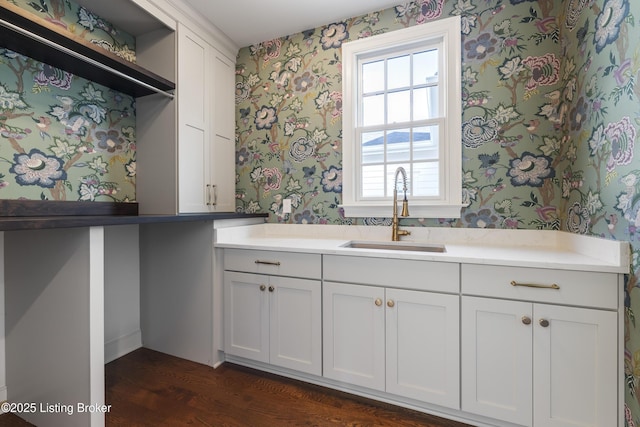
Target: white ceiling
(249, 22)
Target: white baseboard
(120, 346)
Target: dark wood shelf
(89, 68)
(44, 214)
(50, 208)
(43, 223)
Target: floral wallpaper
(600, 182)
(551, 114)
(63, 137)
(289, 106)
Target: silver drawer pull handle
(267, 262)
(533, 285)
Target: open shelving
(28, 34)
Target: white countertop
(522, 248)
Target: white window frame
(446, 32)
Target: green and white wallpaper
(63, 137)
(551, 114)
(289, 104)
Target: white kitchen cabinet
(533, 363)
(246, 316)
(400, 341)
(224, 116)
(269, 318)
(575, 366)
(354, 334)
(423, 346)
(223, 147)
(186, 148)
(205, 143)
(193, 122)
(497, 367)
(462, 338)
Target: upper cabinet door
(224, 81)
(223, 147)
(193, 70)
(193, 122)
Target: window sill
(416, 211)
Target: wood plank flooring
(148, 388)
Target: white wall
(176, 267)
(121, 296)
(54, 321)
(121, 291)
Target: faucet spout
(396, 232)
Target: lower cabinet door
(246, 315)
(496, 361)
(353, 334)
(538, 364)
(575, 366)
(296, 324)
(422, 343)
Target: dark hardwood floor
(147, 388)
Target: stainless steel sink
(395, 246)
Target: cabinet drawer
(393, 273)
(588, 289)
(275, 263)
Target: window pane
(373, 181)
(425, 67)
(398, 72)
(426, 179)
(373, 147)
(399, 107)
(373, 77)
(398, 145)
(426, 143)
(425, 103)
(373, 110)
(398, 113)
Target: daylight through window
(402, 108)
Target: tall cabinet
(205, 126)
(186, 147)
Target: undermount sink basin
(395, 246)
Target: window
(402, 107)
